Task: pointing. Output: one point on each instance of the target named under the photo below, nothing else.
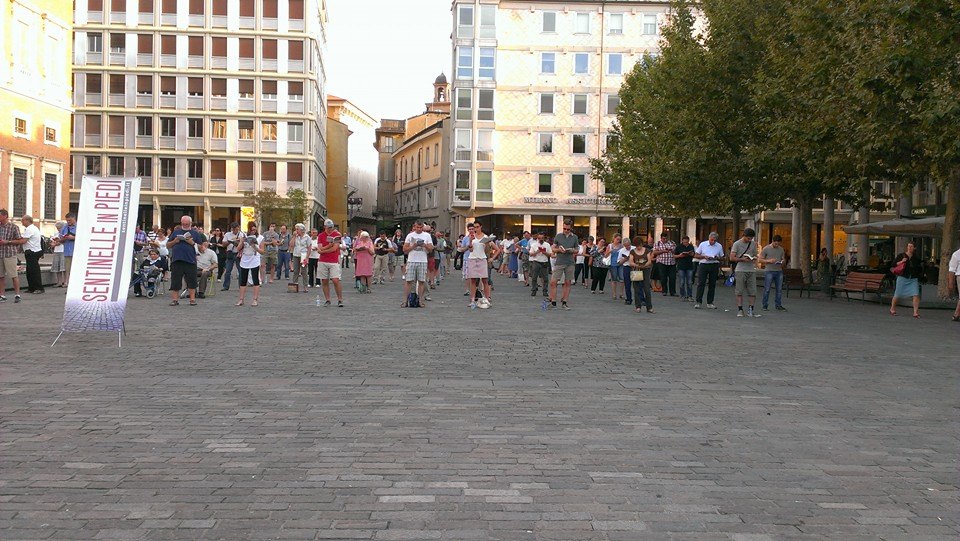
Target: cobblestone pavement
(289, 421)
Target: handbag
(606, 261)
(899, 268)
(636, 276)
(731, 281)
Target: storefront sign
(540, 200)
(602, 200)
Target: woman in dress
(598, 273)
(908, 282)
(514, 261)
(640, 260)
(363, 251)
(250, 264)
(613, 251)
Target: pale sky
(383, 55)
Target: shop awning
(923, 227)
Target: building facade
(390, 136)
(535, 94)
(338, 172)
(361, 186)
(421, 164)
(205, 100)
(35, 109)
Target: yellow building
(35, 107)
(535, 94)
(421, 170)
(361, 185)
(338, 167)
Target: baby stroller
(150, 280)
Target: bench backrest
(863, 280)
(793, 276)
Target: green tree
(267, 205)
(298, 205)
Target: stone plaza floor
(289, 421)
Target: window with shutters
(116, 125)
(92, 125)
(146, 6)
(218, 169)
(246, 88)
(144, 85)
(269, 48)
(20, 126)
(94, 42)
(19, 191)
(268, 90)
(94, 5)
(195, 86)
(218, 88)
(268, 171)
(295, 48)
(118, 43)
(296, 9)
(168, 44)
(294, 172)
(295, 91)
(144, 43)
(246, 8)
(168, 86)
(94, 83)
(245, 129)
(220, 8)
(269, 8)
(196, 7)
(195, 45)
(118, 5)
(118, 83)
(145, 167)
(218, 47)
(245, 170)
(169, 7)
(49, 196)
(50, 134)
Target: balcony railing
(94, 59)
(118, 17)
(218, 144)
(295, 106)
(196, 20)
(245, 145)
(247, 22)
(218, 103)
(168, 101)
(116, 99)
(168, 19)
(195, 61)
(145, 18)
(269, 23)
(91, 140)
(168, 60)
(218, 21)
(195, 143)
(268, 106)
(218, 185)
(245, 185)
(144, 59)
(194, 184)
(295, 66)
(118, 59)
(93, 99)
(296, 24)
(268, 146)
(167, 142)
(294, 185)
(270, 185)
(144, 100)
(166, 184)
(144, 141)
(268, 64)
(146, 184)
(115, 141)
(218, 62)
(484, 155)
(194, 102)
(295, 147)
(245, 104)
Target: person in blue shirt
(68, 234)
(524, 256)
(182, 244)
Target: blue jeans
(685, 278)
(283, 263)
(773, 277)
(228, 270)
(627, 284)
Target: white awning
(904, 227)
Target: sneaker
(696, 306)
(651, 311)
(751, 313)
(565, 306)
(765, 309)
(711, 306)
(472, 306)
(466, 293)
(740, 313)
(16, 299)
(427, 298)
(781, 309)
(339, 304)
(326, 303)
(628, 302)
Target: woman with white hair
(363, 250)
(299, 251)
(59, 265)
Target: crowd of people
(636, 269)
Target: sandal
(193, 303)
(240, 303)
(893, 312)
(255, 302)
(955, 318)
(916, 316)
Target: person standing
(641, 261)
(271, 249)
(623, 259)
(772, 257)
(329, 266)
(346, 245)
(666, 264)
(823, 271)
(283, 253)
(182, 245)
(207, 265)
(231, 246)
(477, 263)
(251, 249)
(908, 281)
(299, 251)
(58, 267)
(955, 282)
(401, 258)
(598, 271)
(524, 256)
(214, 244)
(580, 263)
(32, 252)
(565, 245)
(11, 244)
(613, 252)
(708, 253)
(313, 259)
(364, 251)
(743, 256)
(381, 258)
(139, 246)
(68, 237)
(417, 245)
(539, 259)
(683, 255)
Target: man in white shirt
(32, 252)
(540, 253)
(955, 269)
(206, 265)
(416, 246)
(708, 253)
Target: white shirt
(314, 248)
(32, 234)
(206, 259)
(715, 250)
(249, 256)
(955, 263)
(478, 248)
(580, 255)
(623, 256)
(535, 254)
(417, 254)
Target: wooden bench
(793, 279)
(860, 282)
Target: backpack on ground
(413, 300)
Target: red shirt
(332, 256)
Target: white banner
(102, 254)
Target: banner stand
(99, 280)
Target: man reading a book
(743, 257)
